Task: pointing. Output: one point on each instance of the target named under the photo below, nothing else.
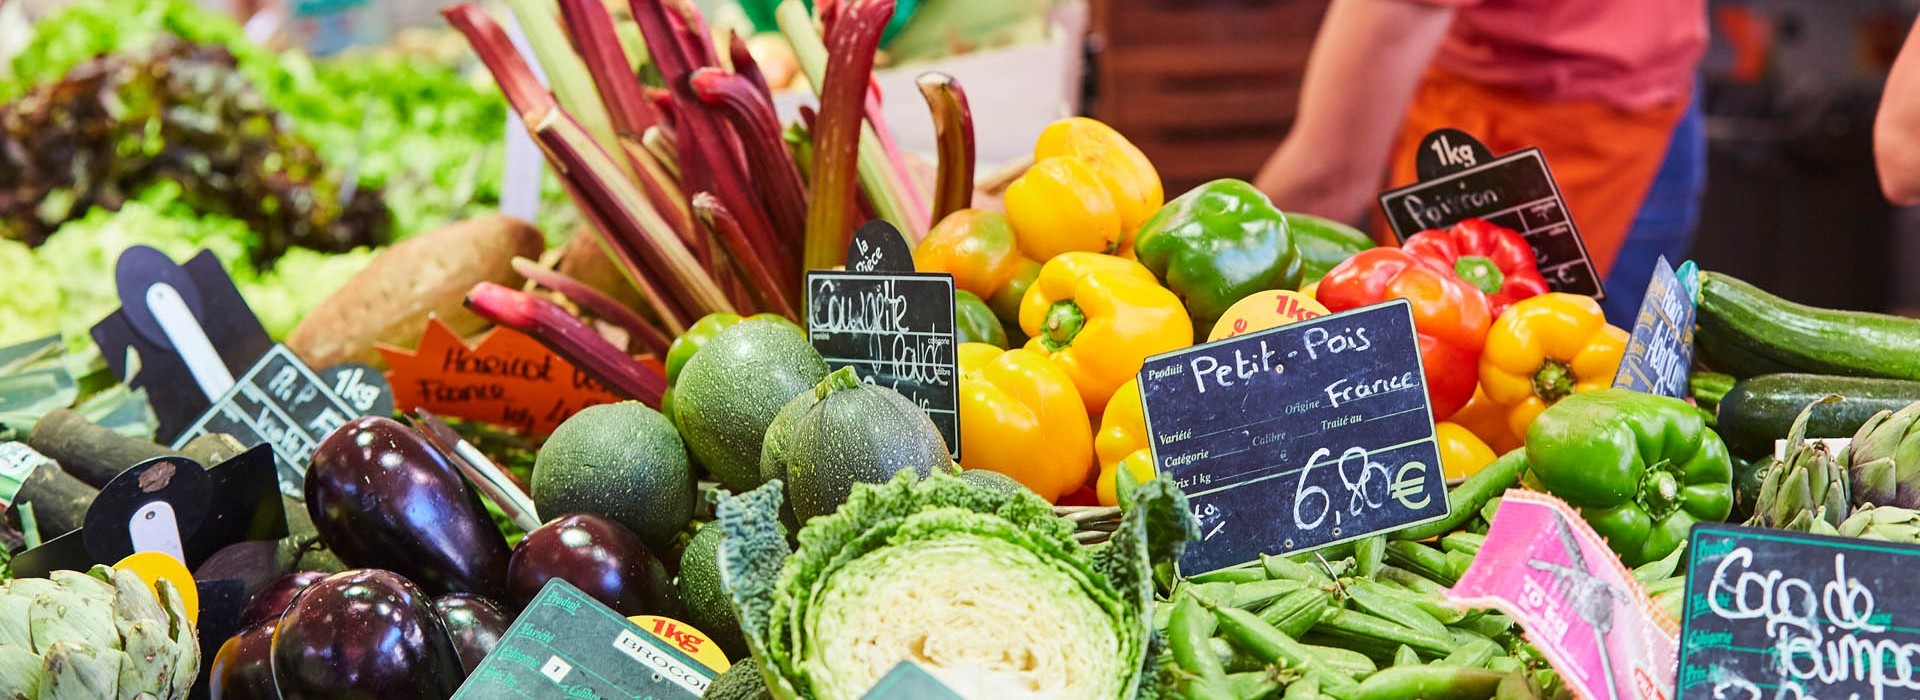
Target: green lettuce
(985, 590)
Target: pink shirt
(1628, 53)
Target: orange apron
(1603, 157)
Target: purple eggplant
(601, 557)
(274, 600)
(364, 634)
(475, 624)
(243, 668)
(382, 497)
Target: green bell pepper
(974, 322)
(1641, 468)
(1215, 245)
(1323, 243)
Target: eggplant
(382, 497)
(243, 668)
(274, 600)
(475, 624)
(602, 558)
(364, 634)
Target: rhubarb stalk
(850, 51)
(953, 131)
(877, 179)
(566, 336)
(717, 219)
(606, 307)
(753, 118)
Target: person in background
(1603, 87)
(1896, 127)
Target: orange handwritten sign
(507, 379)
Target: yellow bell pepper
(1098, 317)
(1123, 170)
(1544, 349)
(1060, 206)
(1021, 416)
(1486, 421)
(1122, 443)
(1462, 454)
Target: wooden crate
(1206, 88)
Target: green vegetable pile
(985, 590)
(416, 134)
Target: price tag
(568, 645)
(282, 403)
(1579, 605)
(507, 378)
(896, 329)
(1297, 437)
(907, 681)
(1660, 353)
(1516, 191)
(1776, 614)
(1263, 310)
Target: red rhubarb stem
(851, 42)
(753, 118)
(510, 70)
(546, 322)
(896, 167)
(763, 283)
(953, 131)
(603, 306)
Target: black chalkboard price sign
(1775, 614)
(1516, 191)
(896, 330)
(1296, 437)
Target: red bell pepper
(1494, 259)
(1450, 316)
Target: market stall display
(1139, 503)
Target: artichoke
(1884, 459)
(1809, 485)
(1884, 523)
(98, 635)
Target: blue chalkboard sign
(1297, 437)
(1660, 353)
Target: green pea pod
(1516, 686)
(1355, 623)
(1216, 591)
(1252, 685)
(1404, 655)
(1423, 560)
(1506, 664)
(1187, 634)
(1295, 613)
(1434, 605)
(1307, 688)
(1282, 567)
(1463, 542)
(1368, 554)
(1256, 594)
(1457, 565)
(1410, 581)
(1346, 661)
(1241, 575)
(1473, 653)
(1370, 600)
(1232, 658)
(1489, 625)
(1267, 643)
(1467, 499)
(1430, 683)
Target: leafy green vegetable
(986, 590)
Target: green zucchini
(1323, 243)
(1744, 331)
(1760, 410)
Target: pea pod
(1187, 633)
(1359, 624)
(1295, 613)
(1252, 685)
(1506, 664)
(1240, 575)
(1430, 683)
(1473, 653)
(1410, 581)
(1371, 600)
(1463, 542)
(1423, 560)
(1307, 688)
(1282, 567)
(1489, 625)
(1405, 656)
(1369, 554)
(1431, 604)
(1348, 662)
(1253, 595)
(1247, 631)
(1232, 658)
(1516, 686)
(1466, 500)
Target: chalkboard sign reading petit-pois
(896, 330)
(1785, 615)
(1297, 437)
